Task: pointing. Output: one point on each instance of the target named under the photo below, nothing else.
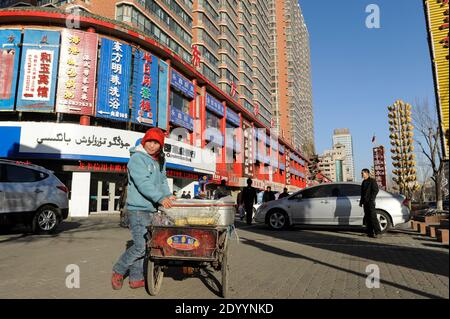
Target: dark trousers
(371, 220)
(249, 213)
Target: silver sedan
(332, 204)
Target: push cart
(194, 236)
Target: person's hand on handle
(167, 202)
(172, 198)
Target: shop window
(179, 102)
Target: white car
(31, 195)
(332, 204)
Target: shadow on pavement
(282, 252)
(434, 262)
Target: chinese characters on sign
(196, 56)
(181, 84)
(9, 63)
(37, 82)
(77, 73)
(248, 149)
(215, 106)
(379, 163)
(288, 168)
(114, 80)
(145, 93)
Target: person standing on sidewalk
(249, 197)
(284, 194)
(147, 189)
(268, 195)
(369, 191)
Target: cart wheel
(153, 277)
(225, 270)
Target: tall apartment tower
(343, 136)
(291, 74)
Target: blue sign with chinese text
(181, 119)
(215, 106)
(233, 117)
(9, 67)
(145, 89)
(181, 84)
(114, 77)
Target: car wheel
(385, 221)
(277, 220)
(46, 220)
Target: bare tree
(429, 141)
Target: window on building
(179, 102)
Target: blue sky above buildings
(357, 72)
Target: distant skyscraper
(343, 136)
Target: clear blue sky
(357, 72)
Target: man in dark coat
(249, 198)
(222, 190)
(284, 193)
(268, 195)
(369, 191)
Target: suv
(31, 195)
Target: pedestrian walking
(249, 198)
(147, 189)
(284, 193)
(369, 191)
(268, 195)
(183, 195)
(188, 195)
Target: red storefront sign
(181, 174)
(77, 72)
(379, 162)
(102, 167)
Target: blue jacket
(147, 184)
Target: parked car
(259, 198)
(332, 204)
(31, 195)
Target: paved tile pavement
(297, 263)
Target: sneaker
(137, 284)
(117, 281)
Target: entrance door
(107, 197)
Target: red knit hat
(154, 134)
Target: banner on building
(233, 117)
(145, 88)
(163, 95)
(77, 72)
(91, 143)
(39, 67)
(379, 164)
(181, 84)
(114, 78)
(214, 106)
(181, 119)
(249, 150)
(9, 67)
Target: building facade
(343, 136)
(332, 163)
(291, 74)
(75, 100)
